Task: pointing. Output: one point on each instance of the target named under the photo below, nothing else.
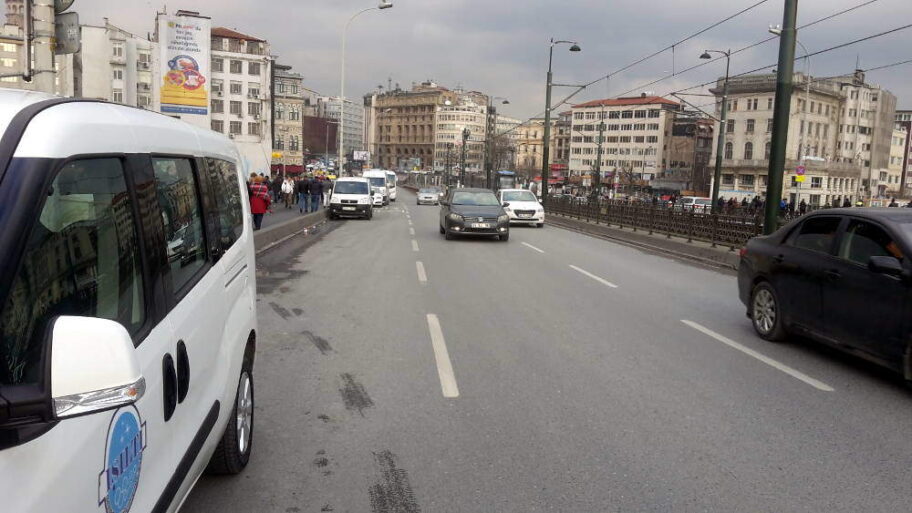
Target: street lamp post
(720, 147)
(465, 138)
(802, 148)
(491, 141)
(384, 4)
(546, 141)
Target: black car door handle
(778, 259)
(832, 274)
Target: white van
(351, 197)
(378, 180)
(391, 184)
(128, 323)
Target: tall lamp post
(546, 141)
(384, 4)
(720, 147)
(491, 140)
(465, 139)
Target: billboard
(184, 64)
(363, 156)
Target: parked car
(126, 367)
(473, 212)
(351, 197)
(428, 196)
(522, 206)
(391, 184)
(841, 276)
(694, 204)
(378, 179)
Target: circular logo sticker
(119, 479)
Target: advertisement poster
(184, 44)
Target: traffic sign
(799, 178)
(800, 171)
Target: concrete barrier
(272, 235)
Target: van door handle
(169, 388)
(183, 371)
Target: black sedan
(841, 276)
(473, 212)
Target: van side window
(82, 258)
(225, 187)
(176, 188)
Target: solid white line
(819, 385)
(422, 276)
(411, 231)
(526, 244)
(444, 367)
(414, 245)
(594, 277)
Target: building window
(730, 126)
(280, 111)
(816, 182)
(766, 151)
(253, 108)
(117, 96)
(253, 68)
(118, 74)
(294, 113)
(294, 88)
(769, 104)
(235, 66)
(294, 143)
(118, 50)
(253, 89)
(218, 106)
(769, 125)
(728, 179)
(279, 143)
(8, 47)
(750, 126)
(729, 148)
(235, 107)
(253, 128)
(235, 88)
(748, 151)
(234, 127)
(217, 86)
(218, 126)
(218, 65)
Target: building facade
(903, 121)
(288, 121)
(469, 112)
(240, 91)
(689, 156)
(328, 107)
(505, 140)
(12, 49)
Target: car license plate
(481, 225)
(348, 208)
(525, 215)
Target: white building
(468, 112)
(112, 64)
(328, 107)
(240, 104)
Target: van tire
(228, 457)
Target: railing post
(690, 224)
(670, 220)
(598, 210)
(715, 226)
(651, 219)
(635, 217)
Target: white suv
(128, 322)
(522, 206)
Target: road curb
(699, 252)
(274, 235)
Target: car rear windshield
(377, 181)
(519, 196)
(481, 199)
(351, 188)
(427, 191)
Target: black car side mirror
(885, 265)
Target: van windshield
(351, 188)
(391, 180)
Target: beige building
(466, 113)
(288, 103)
(891, 180)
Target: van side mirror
(885, 265)
(93, 366)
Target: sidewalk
(284, 223)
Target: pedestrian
(250, 181)
(303, 194)
(327, 191)
(731, 204)
(288, 192)
(259, 200)
(893, 203)
(316, 194)
(720, 203)
(802, 207)
(846, 203)
(275, 188)
(744, 202)
(791, 207)
(783, 206)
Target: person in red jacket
(259, 200)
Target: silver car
(428, 196)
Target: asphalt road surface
(554, 372)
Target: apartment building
(689, 155)
(506, 136)
(903, 120)
(288, 125)
(891, 180)
(636, 135)
(469, 111)
(240, 94)
(12, 49)
(328, 107)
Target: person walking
(303, 194)
(327, 190)
(259, 200)
(846, 203)
(893, 203)
(316, 194)
(288, 192)
(802, 207)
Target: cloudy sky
(500, 47)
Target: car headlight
(507, 209)
(455, 217)
(503, 218)
(335, 200)
(364, 201)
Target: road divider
(422, 275)
(442, 357)
(530, 246)
(594, 277)
(819, 385)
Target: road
(563, 377)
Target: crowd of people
(307, 193)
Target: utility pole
(465, 138)
(781, 116)
(490, 145)
(596, 181)
(720, 147)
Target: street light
(465, 138)
(720, 147)
(546, 148)
(384, 4)
(490, 141)
(802, 150)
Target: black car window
(815, 234)
(82, 258)
(862, 240)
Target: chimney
(642, 95)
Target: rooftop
(635, 100)
(233, 34)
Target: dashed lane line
(411, 231)
(594, 277)
(442, 356)
(530, 246)
(414, 245)
(422, 275)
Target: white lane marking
(444, 367)
(526, 244)
(414, 245)
(819, 385)
(410, 222)
(422, 276)
(411, 231)
(594, 277)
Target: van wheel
(766, 313)
(233, 451)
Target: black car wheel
(505, 237)
(766, 313)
